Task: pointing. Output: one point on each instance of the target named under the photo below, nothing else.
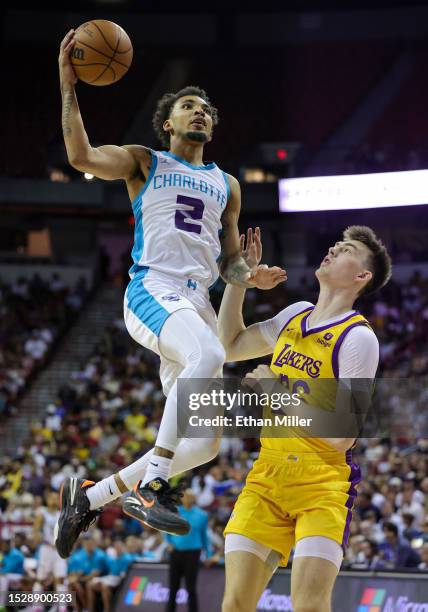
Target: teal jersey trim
(210, 166)
(137, 250)
(144, 305)
(226, 180)
(149, 178)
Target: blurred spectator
(153, 545)
(368, 557)
(185, 552)
(364, 506)
(395, 553)
(51, 569)
(84, 564)
(117, 563)
(410, 532)
(11, 568)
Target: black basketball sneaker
(155, 505)
(76, 515)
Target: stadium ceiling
(153, 6)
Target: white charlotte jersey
(178, 219)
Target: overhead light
(88, 176)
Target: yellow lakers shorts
(290, 496)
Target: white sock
(158, 467)
(191, 452)
(102, 492)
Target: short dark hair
(165, 105)
(388, 526)
(379, 261)
(373, 546)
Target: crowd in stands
(33, 315)
(108, 413)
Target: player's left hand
(251, 249)
(264, 277)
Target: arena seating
(34, 315)
(109, 412)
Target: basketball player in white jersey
(50, 566)
(181, 206)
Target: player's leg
(185, 338)
(316, 563)
(190, 452)
(249, 567)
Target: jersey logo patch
(324, 341)
(171, 297)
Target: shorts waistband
(182, 282)
(286, 457)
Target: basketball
(102, 53)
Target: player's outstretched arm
(240, 342)
(108, 162)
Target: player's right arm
(107, 162)
(240, 342)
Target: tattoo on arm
(233, 269)
(235, 272)
(67, 103)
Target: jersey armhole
(226, 181)
(149, 178)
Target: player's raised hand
(67, 75)
(260, 380)
(252, 250)
(264, 277)
(262, 371)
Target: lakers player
(181, 206)
(301, 490)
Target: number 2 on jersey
(196, 212)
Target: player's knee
(211, 448)
(234, 602)
(209, 359)
(215, 357)
(310, 603)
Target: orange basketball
(102, 53)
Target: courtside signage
(354, 191)
(142, 590)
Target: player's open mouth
(325, 261)
(198, 123)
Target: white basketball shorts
(150, 298)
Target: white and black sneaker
(76, 515)
(155, 505)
